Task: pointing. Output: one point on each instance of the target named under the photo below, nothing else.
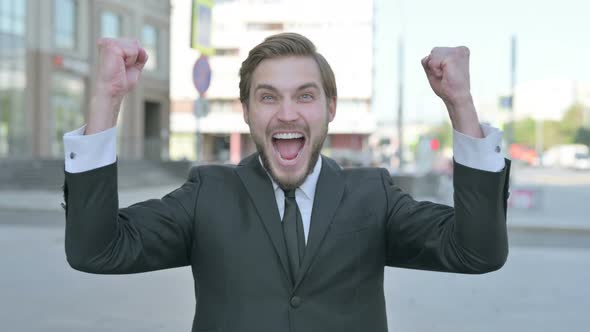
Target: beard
(292, 182)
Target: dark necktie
(293, 231)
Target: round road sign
(202, 74)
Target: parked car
(581, 161)
(524, 154)
(567, 155)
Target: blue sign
(506, 102)
(201, 107)
(202, 74)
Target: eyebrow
(272, 88)
(307, 86)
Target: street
(543, 287)
(559, 198)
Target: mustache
(293, 127)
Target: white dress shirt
(88, 152)
(304, 195)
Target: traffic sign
(506, 102)
(201, 107)
(201, 26)
(202, 74)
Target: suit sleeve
(151, 235)
(469, 238)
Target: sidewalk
(48, 200)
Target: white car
(566, 155)
(581, 161)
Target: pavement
(542, 287)
(541, 199)
(50, 200)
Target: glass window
(65, 19)
(14, 133)
(149, 40)
(265, 26)
(12, 17)
(110, 25)
(67, 104)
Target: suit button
(295, 301)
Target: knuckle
(463, 50)
(109, 43)
(102, 42)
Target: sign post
(201, 18)
(201, 80)
(201, 26)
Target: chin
(300, 156)
(292, 174)
(288, 175)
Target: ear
(245, 113)
(332, 108)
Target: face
(288, 116)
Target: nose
(287, 111)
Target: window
(14, 133)
(110, 25)
(12, 17)
(265, 26)
(67, 104)
(64, 19)
(149, 39)
(227, 51)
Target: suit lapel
(328, 194)
(261, 192)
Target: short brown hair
(285, 44)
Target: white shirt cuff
(480, 153)
(87, 152)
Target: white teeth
(287, 135)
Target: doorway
(152, 146)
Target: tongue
(288, 148)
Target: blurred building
(47, 59)
(344, 37)
(549, 99)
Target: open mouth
(288, 145)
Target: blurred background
(529, 74)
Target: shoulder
(366, 176)
(357, 174)
(198, 173)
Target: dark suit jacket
(225, 224)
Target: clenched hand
(447, 70)
(120, 62)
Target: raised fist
(447, 70)
(120, 61)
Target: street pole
(400, 105)
(510, 133)
(197, 114)
(539, 139)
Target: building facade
(48, 58)
(342, 32)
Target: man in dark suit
(286, 240)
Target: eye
(267, 98)
(306, 97)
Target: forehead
(287, 73)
